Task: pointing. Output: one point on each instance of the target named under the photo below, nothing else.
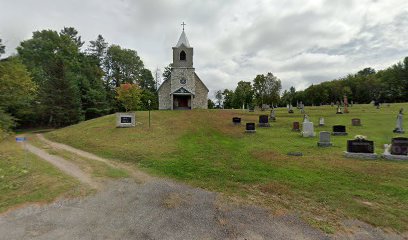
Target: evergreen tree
(53, 61)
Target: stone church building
(184, 89)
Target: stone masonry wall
(179, 73)
(201, 97)
(164, 96)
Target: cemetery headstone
(360, 148)
(264, 121)
(339, 110)
(295, 154)
(308, 130)
(356, 122)
(290, 110)
(236, 120)
(306, 118)
(321, 122)
(324, 139)
(125, 120)
(399, 146)
(250, 128)
(302, 109)
(272, 117)
(399, 128)
(339, 130)
(377, 104)
(296, 126)
(251, 108)
(345, 105)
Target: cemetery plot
(197, 147)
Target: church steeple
(183, 52)
(183, 40)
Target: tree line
(365, 86)
(52, 81)
(263, 90)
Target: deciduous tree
(129, 95)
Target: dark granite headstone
(399, 146)
(360, 146)
(264, 121)
(339, 130)
(236, 120)
(250, 127)
(296, 126)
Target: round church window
(183, 81)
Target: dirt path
(64, 165)
(137, 174)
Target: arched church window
(183, 56)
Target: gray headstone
(324, 139)
(399, 128)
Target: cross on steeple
(183, 24)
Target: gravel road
(159, 209)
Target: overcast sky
(301, 42)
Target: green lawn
(203, 148)
(24, 178)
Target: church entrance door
(181, 102)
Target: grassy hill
(203, 148)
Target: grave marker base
(389, 156)
(324, 144)
(339, 134)
(371, 156)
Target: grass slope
(26, 178)
(203, 148)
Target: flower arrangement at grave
(360, 137)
